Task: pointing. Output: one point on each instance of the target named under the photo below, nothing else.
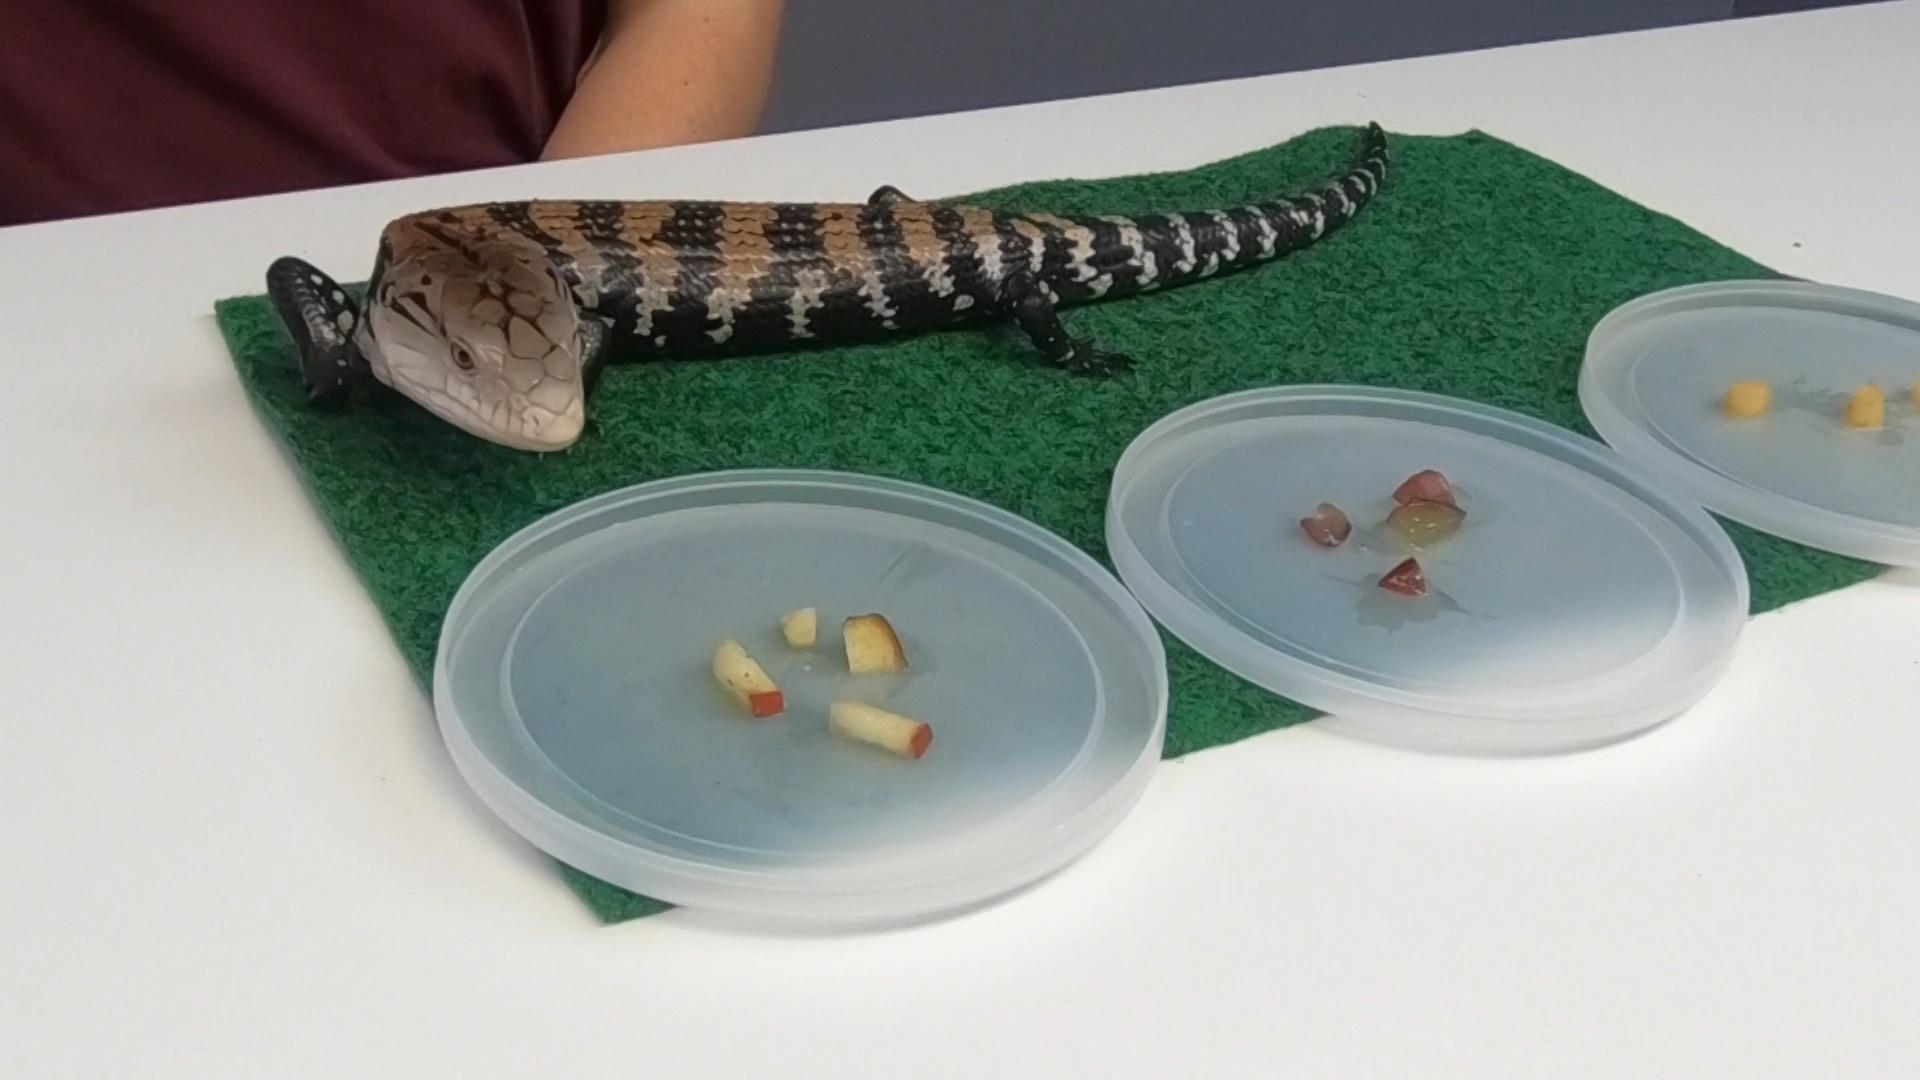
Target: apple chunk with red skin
(896, 734)
(746, 682)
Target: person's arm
(670, 72)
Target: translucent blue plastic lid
(1578, 603)
(575, 690)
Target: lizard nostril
(462, 359)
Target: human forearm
(671, 72)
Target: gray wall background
(848, 61)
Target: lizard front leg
(322, 320)
(596, 348)
(1032, 306)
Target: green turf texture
(1477, 272)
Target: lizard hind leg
(888, 195)
(1032, 306)
(321, 318)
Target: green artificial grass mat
(1477, 272)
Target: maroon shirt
(110, 105)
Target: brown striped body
(498, 315)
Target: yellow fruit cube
(1746, 400)
(1867, 409)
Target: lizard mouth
(494, 412)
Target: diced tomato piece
(1328, 526)
(1425, 486)
(1405, 579)
(765, 703)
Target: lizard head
(484, 337)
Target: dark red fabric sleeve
(110, 105)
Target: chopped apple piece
(801, 627)
(872, 646)
(892, 732)
(1746, 400)
(743, 678)
(1867, 408)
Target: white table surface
(234, 845)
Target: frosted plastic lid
(1578, 603)
(1657, 371)
(574, 689)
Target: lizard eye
(462, 359)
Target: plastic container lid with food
(801, 695)
(1787, 406)
(1430, 572)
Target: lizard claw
(1085, 360)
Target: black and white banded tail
(1089, 258)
